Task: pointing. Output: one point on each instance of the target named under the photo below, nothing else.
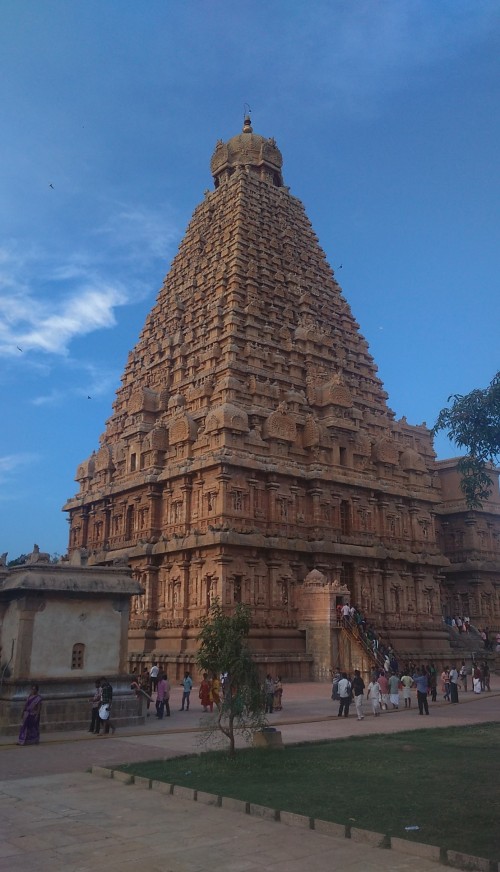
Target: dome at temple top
(247, 149)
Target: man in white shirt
(345, 695)
(153, 674)
(454, 684)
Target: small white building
(63, 626)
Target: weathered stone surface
(329, 828)
(467, 861)
(183, 792)
(208, 798)
(368, 837)
(267, 739)
(161, 786)
(235, 804)
(263, 811)
(143, 783)
(417, 849)
(124, 777)
(102, 771)
(295, 820)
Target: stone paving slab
(105, 824)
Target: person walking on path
(374, 696)
(205, 695)
(345, 692)
(153, 674)
(422, 683)
(215, 690)
(162, 696)
(445, 682)
(431, 672)
(394, 683)
(454, 684)
(187, 685)
(358, 688)
(406, 681)
(384, 690)
(476, 679)
(463, 676)
(269, 694)
(485, 676)
(335, 684)
(29, 734)
(105, 709)
(278, 694)
(95, 722)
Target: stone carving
(251, 429)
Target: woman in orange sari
(205, 695)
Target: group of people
(101, 700)
(458, 622)
(349, 616)
(101, 708)
(383, 691)
(155, 683)
(387, 685)
(273, 693)
(491, 641)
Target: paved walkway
(56, 816)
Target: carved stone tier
(251, 443)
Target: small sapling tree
(223, 651)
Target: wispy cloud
(140, 233)
(94, 382)
(48, 300)
(12, 463)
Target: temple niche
(251, 445)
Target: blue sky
(386, 113)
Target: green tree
(223, 650)
(473, 422)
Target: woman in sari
(205, 694)
(215, 690)
(29, 733)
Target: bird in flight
(19, 349)
(89, 398)
(51, 186)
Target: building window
(347, 576)
(133, 462)
(345, 518)
(237, 588)
(77, 656)
(130, 522)
(342, 456)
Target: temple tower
(251, 442)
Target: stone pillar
(186, 489)
(28, 606)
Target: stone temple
(252, 456)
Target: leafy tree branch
(472, 421)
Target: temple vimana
(252, 456)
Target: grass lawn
(444, 781)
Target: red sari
(205, 694)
